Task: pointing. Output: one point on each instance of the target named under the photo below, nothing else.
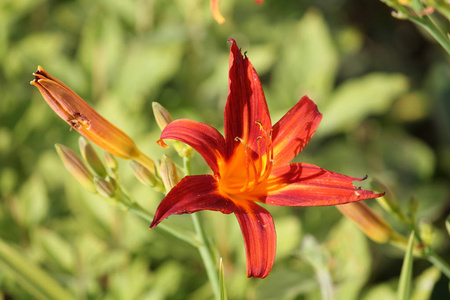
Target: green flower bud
(91, 157)
(169, 173)
(76, 167)
(143, 175)
(110, 161)
(104, 187)
(162, 115)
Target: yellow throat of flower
(247, 168)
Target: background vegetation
(381, 83)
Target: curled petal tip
(162, 144)
(232, 41)
(361, 179)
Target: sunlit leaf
(350, 272)
(356, 99)
(308, 61)
(316, 255)
(404, 286)
(223, 288)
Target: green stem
(176, 232)
(207, 256)
(130, 205)
(427, 23)
(34, 279)
(205, 247)
(440, 37)
(429, 254)
(424, 21)
(439, 263)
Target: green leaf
(308, 63)
(223, 289)
(33, 201)
(286, 284)
(356, 99)
(381, 291)
(312, 252)
(288, 235)
(404, 287)
(350, 271)
(56, 248)
(32, 278)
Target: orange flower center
(247, 167)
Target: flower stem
(430, 255)
(424, 21)
(205, 247)
(207, 256)
(440, 37)
(439, 263)
(176, 232)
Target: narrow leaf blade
(404, 287)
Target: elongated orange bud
(83, 118)
(371, 224)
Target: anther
(78, 121)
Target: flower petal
(191, 194)
(301, 184)
(259, 237)
(200, 192)
(203, 138)
(294, 130)
(246, 104)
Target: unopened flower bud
(91, 157)
(162, 115)
(143, 175)
(370, 223)
(83, 118)
(163, 118)
(104, 187)
(169, 173)
(388, 201)
(110, 161)
(426, 231)
(76, 167)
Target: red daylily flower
(251, 164)
(216, 11)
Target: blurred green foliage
(382, 85)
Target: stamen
(248, 161)
(259, 154)
(269, 152)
